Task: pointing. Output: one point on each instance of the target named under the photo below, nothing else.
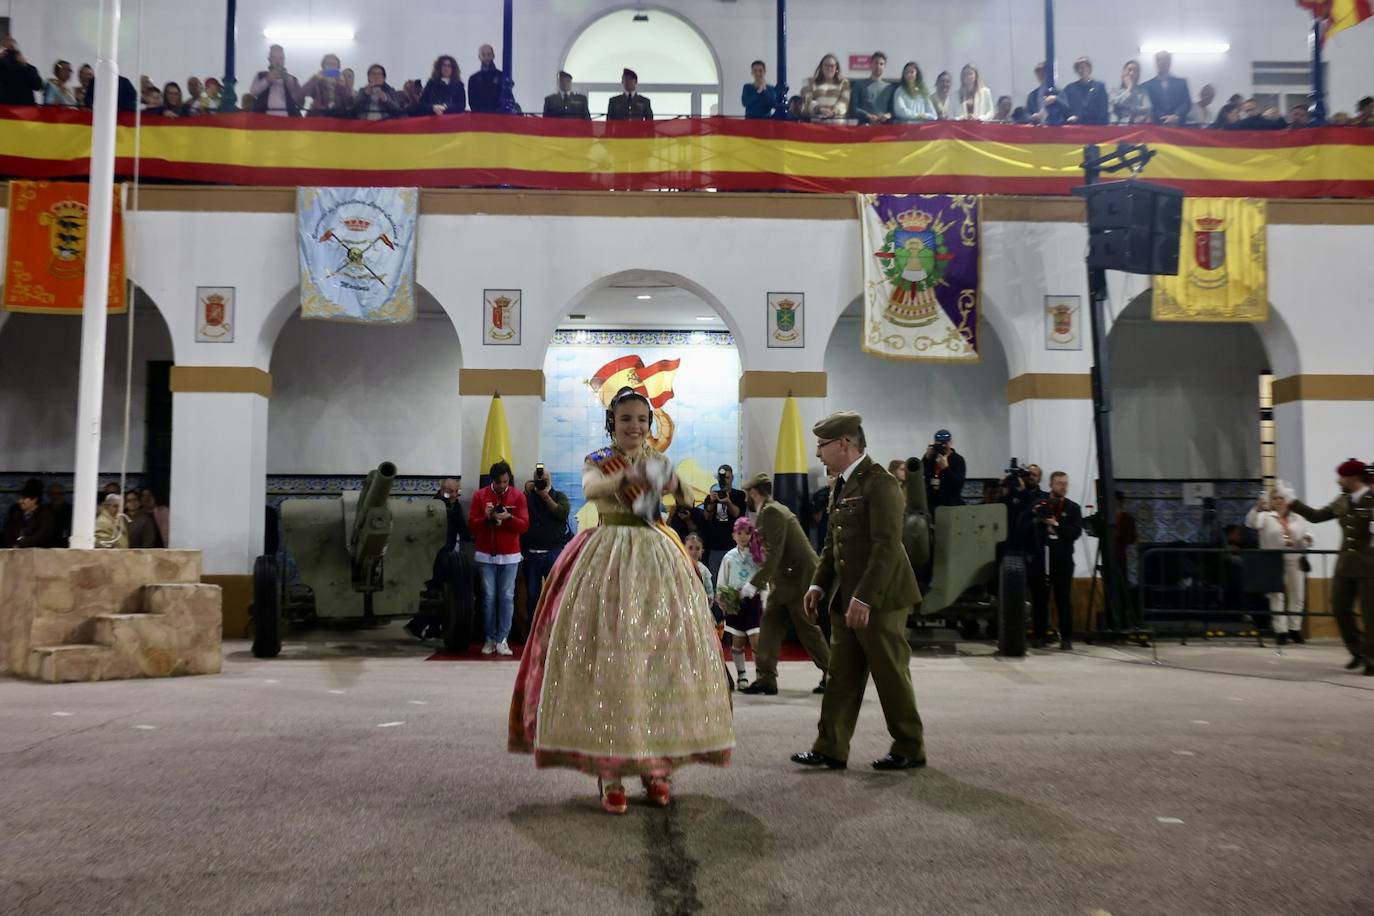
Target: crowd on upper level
(827, 96)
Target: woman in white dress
(1281, 530)
(972, 101)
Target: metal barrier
(1221, 586)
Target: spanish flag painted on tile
(1223, 266)
(45, 265)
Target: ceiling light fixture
(644, 296)
(706, 318)
(1185, 47)
(308, 33)
(641, 16)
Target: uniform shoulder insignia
(608, 460)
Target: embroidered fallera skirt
(622, 674)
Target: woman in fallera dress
(622, 674)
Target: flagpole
(229, 97)
(99, 228)
(1048, 85)
(780, 112)
(507, 58)
(1318, 95)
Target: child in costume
(742, 615)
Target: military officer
(789, 564)
(629, 105)
(1354, 577)
(865, 582)
(565, 103)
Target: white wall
(903, 404)
(39, 355)
(347, 397)
(1004, 37)
(1185, 398)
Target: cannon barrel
(916, 525)
(372, 521)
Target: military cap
(839, 424)
(757, 479)
(1352, 467)
(630, 73)
(564, 75)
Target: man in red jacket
(497, 518)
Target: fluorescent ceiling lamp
(706, 318)
(308, 33)
(645, 296)
(1185, 47)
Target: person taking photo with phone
(498, 517)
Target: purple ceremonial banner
(921, 268)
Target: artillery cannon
(361, 559)
(966, 564)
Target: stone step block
(158, 645)
(68, 664)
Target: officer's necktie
(839, 485)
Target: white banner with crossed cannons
(357, 248)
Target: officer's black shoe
(413, 628)
(1354, 663)
(814, 759)
(1065, 646)
(1295, 637)
(819, 688)
(1369, 670)
(760, 687)
(898, 762)
(1282, 639)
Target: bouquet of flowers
(728, 599)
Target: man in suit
(1169, 97)
(864, 581)
(565, 103)
(1354, 577)
(789, 563)
(1086, 97)
(629, 105)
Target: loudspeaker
(1133, 226)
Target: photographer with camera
(944, 470)
(498, 516)
(547, 534)
(19, 79)
(424, 625)
(1057, 523)
(723, 504)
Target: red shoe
(660, 790)
(613, 800)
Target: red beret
(1352, 467)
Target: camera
(939, 449)
(541, 480)
(1015, 476)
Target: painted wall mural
(690, 377)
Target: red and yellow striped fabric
(1339, 14)
(687, 154)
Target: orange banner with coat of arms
(1222, 264)
(45, 260)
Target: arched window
(677, 68)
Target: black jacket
(436, 93)
(484, 90)
(624, 108)
(951, 488)
(127, 100)
(18, 82)
(37, 529)
(1087, 101)
(1173, 99)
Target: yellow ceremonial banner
(45, 261)
(1223, 265)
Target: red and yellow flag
(1339, 14)
(654, 381)
(45, 264)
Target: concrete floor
(351, 776)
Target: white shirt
(1358, 494)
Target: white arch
(666, 277)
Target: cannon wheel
(459, 606)
(1011, 607)
(267, 622)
